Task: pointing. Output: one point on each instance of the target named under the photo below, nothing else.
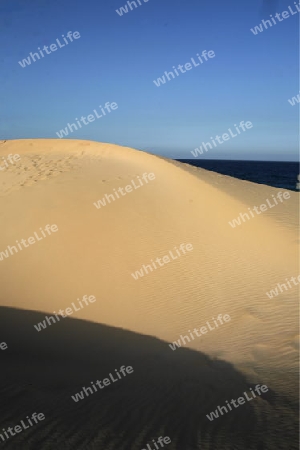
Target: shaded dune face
(94, 252)
(168, 393)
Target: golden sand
(133, 321)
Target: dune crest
(95, 250)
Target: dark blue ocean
(277, 174)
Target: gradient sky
(117, 58)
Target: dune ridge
(95, 251)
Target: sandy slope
(96, 250)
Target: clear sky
(117, 58)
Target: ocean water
(272, 173)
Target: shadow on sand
(168, 394)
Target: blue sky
(117, 58)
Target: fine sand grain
(132, 322)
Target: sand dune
(132, 322)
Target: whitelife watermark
(162, 261)
(11, 159)
(124, 9)
(294, 100)
(31, 240)
(188, 66)
(274, 293)
(166, 440)
(225, 136)
(241, 401)
(3, 346)
(268, 23)
(263, 207)
(202, 330)
(68, 311)
(106, 381)
(53, 48)
(90, 118)
(19, 428)
(128, 188)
